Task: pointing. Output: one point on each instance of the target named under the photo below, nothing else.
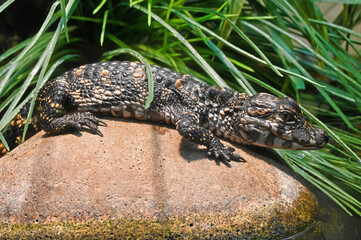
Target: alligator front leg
(188, 126)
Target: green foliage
(284, 47)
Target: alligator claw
(102, 123)
(225, 153)
(92, 122)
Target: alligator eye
(287, 118)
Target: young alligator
(198, 111)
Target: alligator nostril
(323, 137)
(326, 137)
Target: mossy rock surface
(144, 181)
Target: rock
(147, 178)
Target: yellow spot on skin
(19, 123)
(105, 72)
(18, 140)
(139, 70)
(3, 149)
(137, 75)
(78, 72)
(179, 83)
(52, 105)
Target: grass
(284, 47)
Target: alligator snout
(321, 137)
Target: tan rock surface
(142, 171)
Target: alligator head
(270, 121)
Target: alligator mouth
(274, 140)
(270, 134)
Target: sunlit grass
(282, 47)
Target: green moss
(196, 226)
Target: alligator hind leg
(77, 121)
(56, 110)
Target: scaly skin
(75, 100)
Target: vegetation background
(284, 47)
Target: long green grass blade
(207, 68)
(10, 68)
(63, 14)
(239, 31)
(101, 4)
(5, 5)
(105, 18)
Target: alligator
(76, 99)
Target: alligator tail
(14, 132)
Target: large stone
(147, 178)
